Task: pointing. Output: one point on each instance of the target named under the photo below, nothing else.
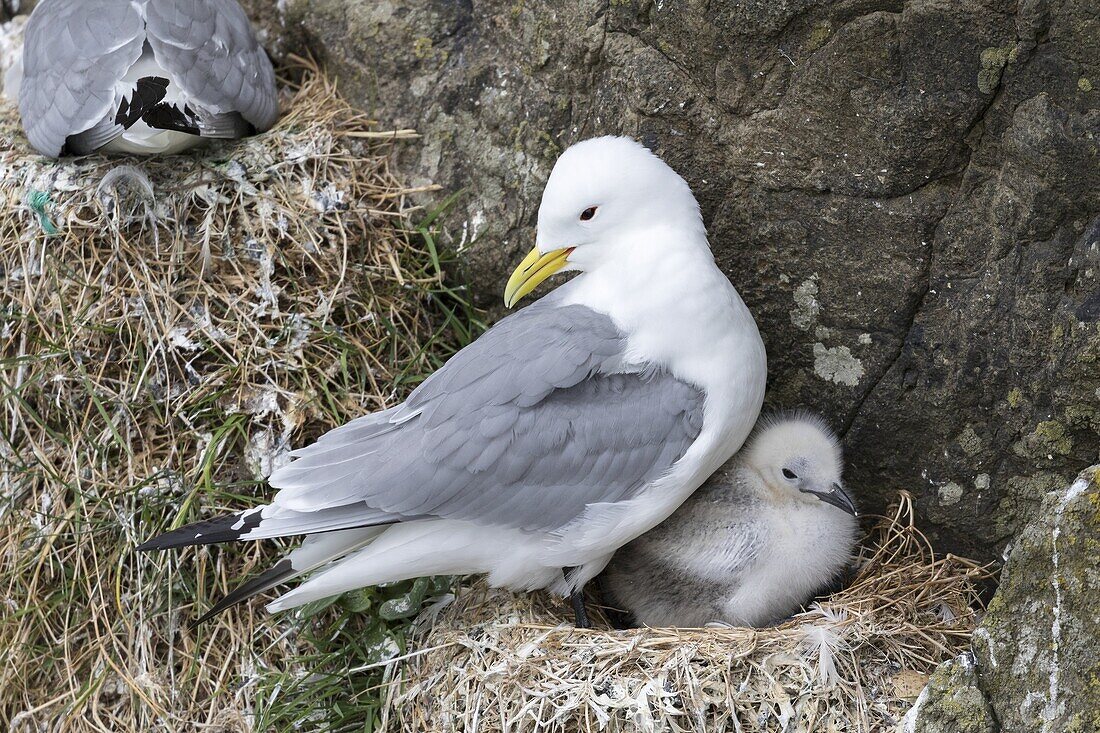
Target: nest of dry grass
(169, 329)
(854, 662)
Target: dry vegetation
(854, 662)
(190, 320)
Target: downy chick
(770, 528)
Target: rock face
(1038, 647)
(907, 194)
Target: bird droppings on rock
(1034, 664)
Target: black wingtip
(166, 116)
(147, 93)
(218, 608)
(268, 579)
(207, 532)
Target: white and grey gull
(562, 433)
(141, 76)
(755, 542)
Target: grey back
(523, 428)
(73, 53)
(211, 51)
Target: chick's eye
(588, 213)
(789, 474)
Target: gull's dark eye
(588, 213)
(789, 474)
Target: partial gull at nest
(852, 662)
(187, 322)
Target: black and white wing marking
(212, 53)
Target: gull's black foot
(580, 613)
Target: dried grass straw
(192, 318)
(853, 662)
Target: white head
(799, 456)
(600, 191)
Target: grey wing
(211, 51)
(519, 429)
(73, 55)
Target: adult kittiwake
(563, 432)
(756, 541)
(141, 76)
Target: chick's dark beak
(838, 497)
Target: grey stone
(1038, 647)
(952, 702)
(907, 194)
(1036, 662)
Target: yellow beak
(533, 270)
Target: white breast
(694, 324)
(805, 546)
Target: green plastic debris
(38, 201)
